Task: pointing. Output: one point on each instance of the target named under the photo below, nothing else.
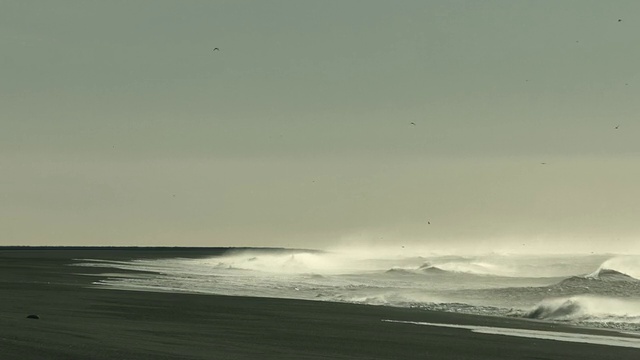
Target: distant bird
(414, 124)
(617, 126)
(543, 163)
(428, 222)
(619, 20)
(216, 49)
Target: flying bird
(413, 123)
(617, 126)
(216, 49)
(619, 20)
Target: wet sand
(78, 321)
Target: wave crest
(628, 266)
(604, 274)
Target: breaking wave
(587, 309)
(626, 265)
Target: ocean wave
(426, 268)
(300, 262)
(401, 271)
(601, 279)
(604, 281)
(432, 270)
(475, 268)
(517, 266)
(587, 309)
(611, 275)
(463, 268)
(626, 265)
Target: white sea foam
(298, 262)
(586, 308)
(288, 262)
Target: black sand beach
(78, 321)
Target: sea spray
(586, 308)
(629, 265)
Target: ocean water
(595, 290)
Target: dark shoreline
(78, 321)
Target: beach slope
(78, 321)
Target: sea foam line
(537, 334)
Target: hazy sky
(121, 126)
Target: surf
(572, 289)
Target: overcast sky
(321, 123)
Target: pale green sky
(121, 126)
